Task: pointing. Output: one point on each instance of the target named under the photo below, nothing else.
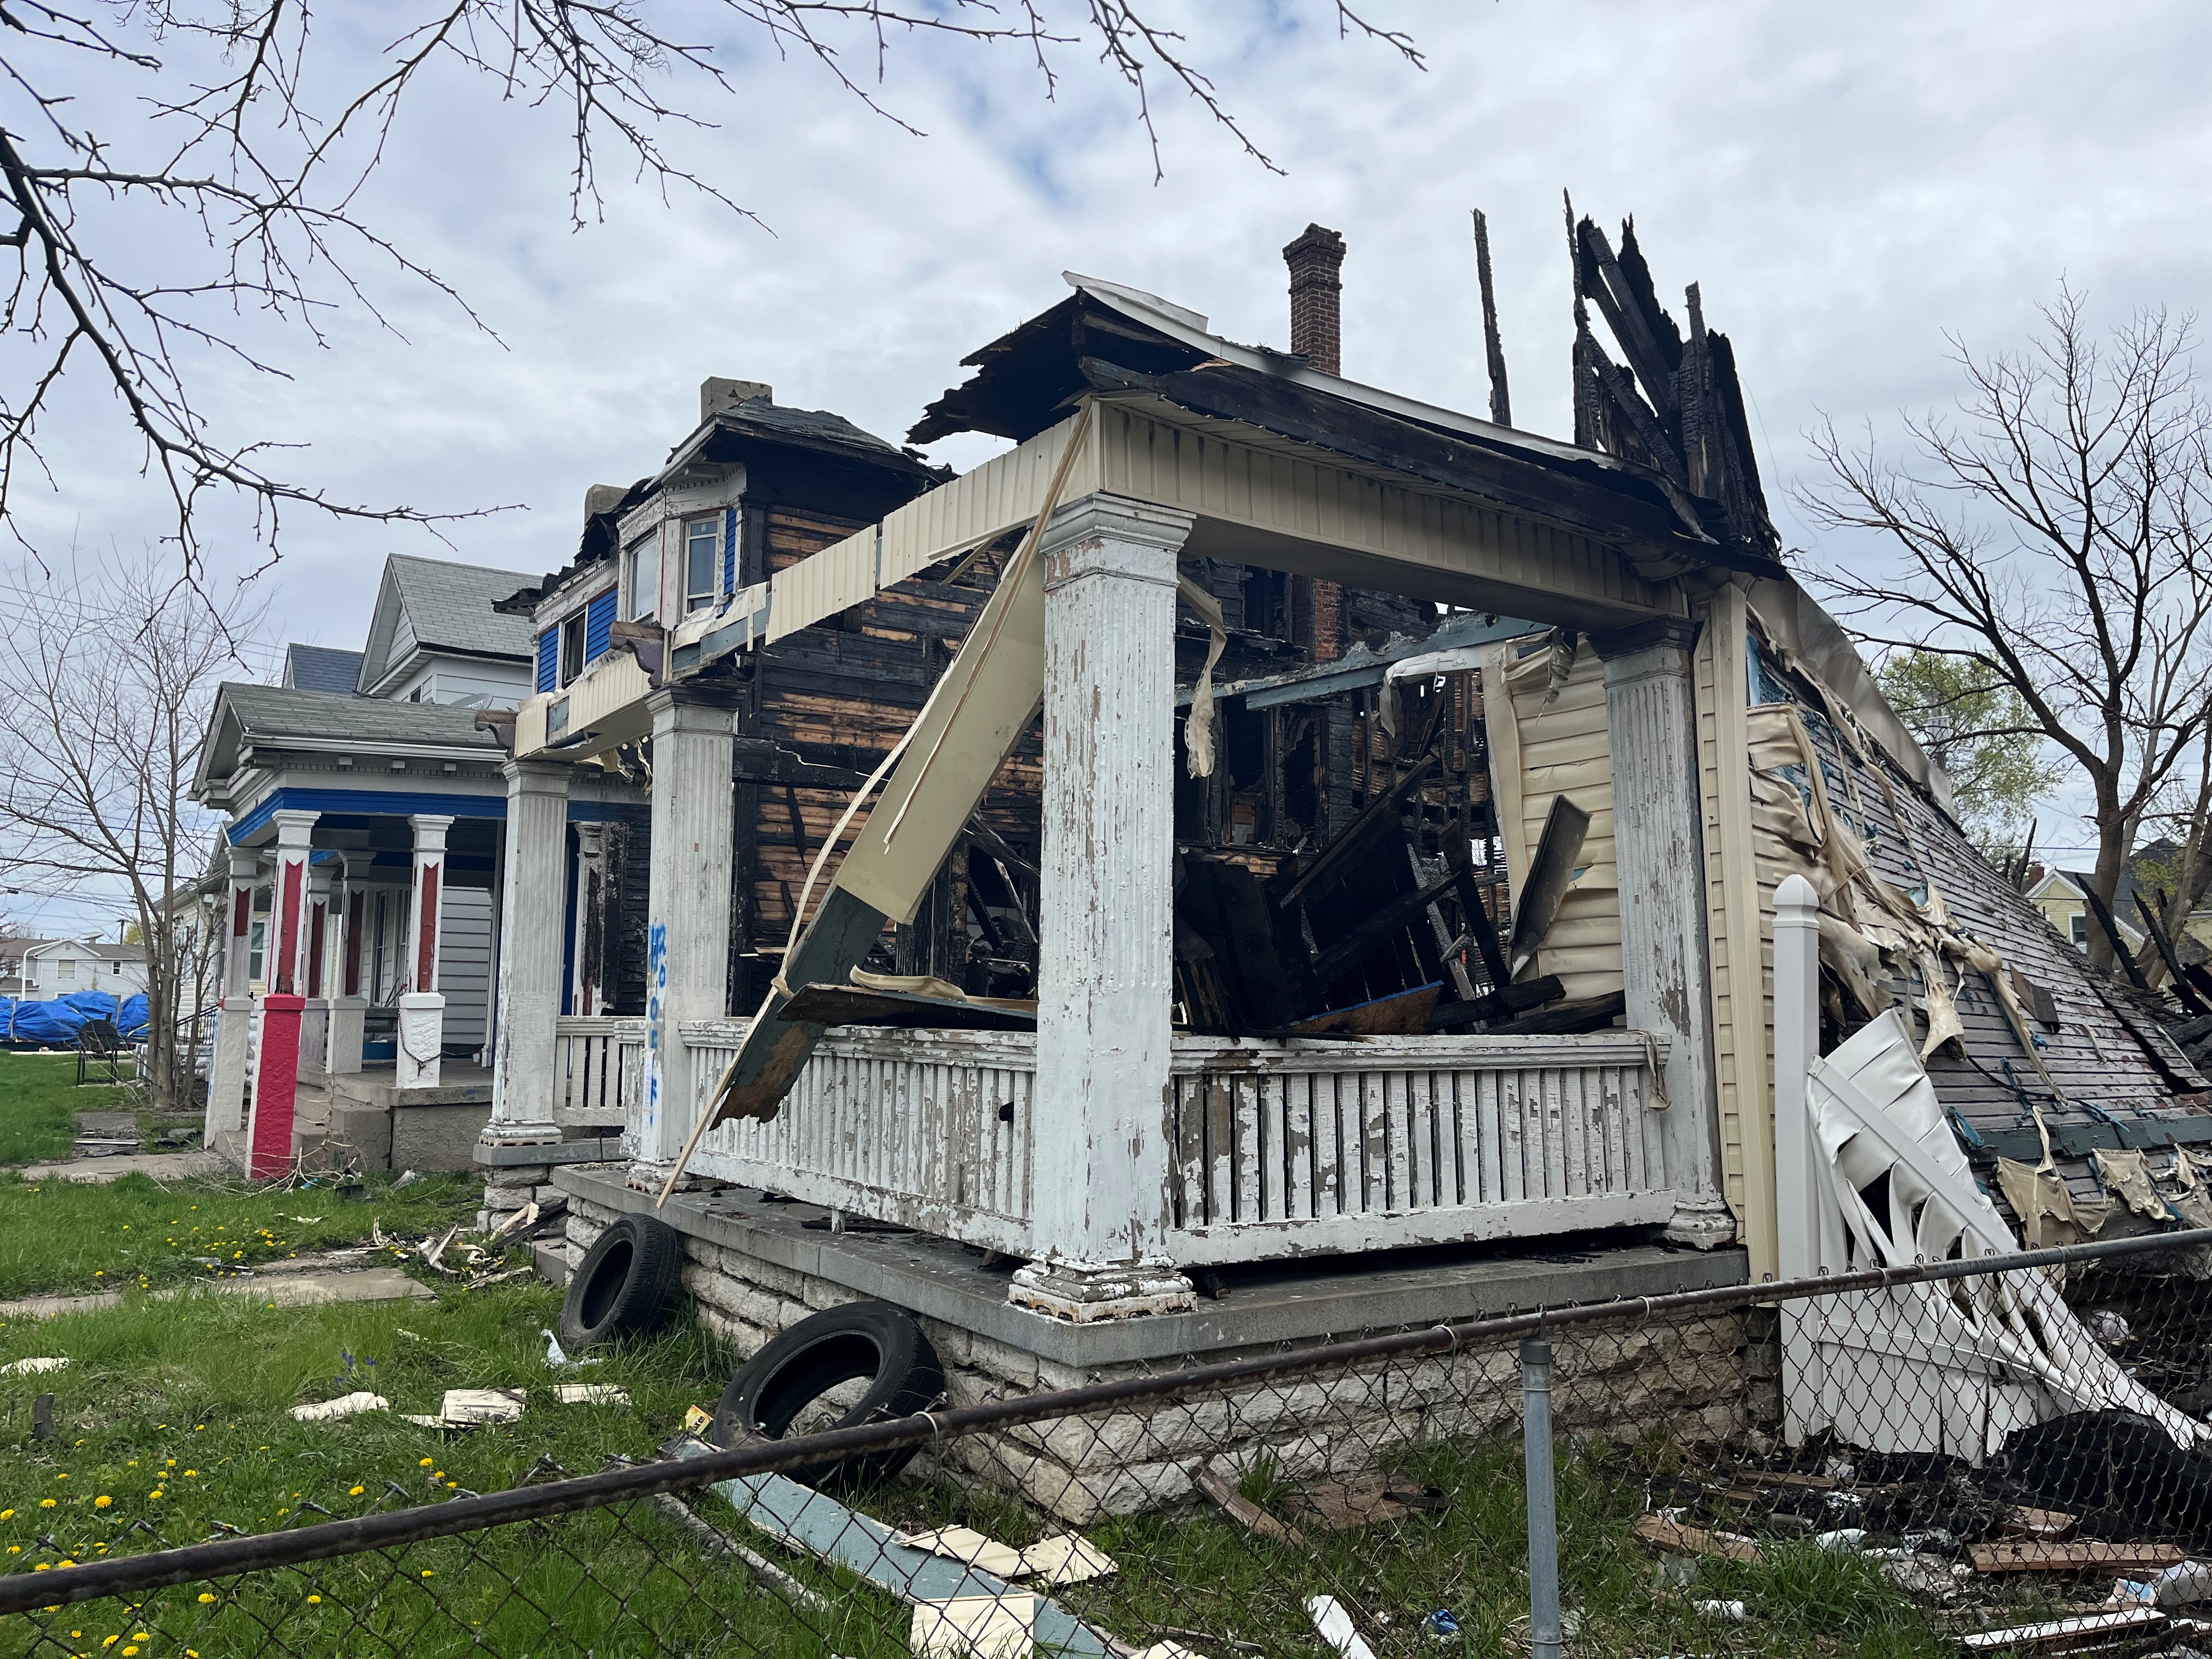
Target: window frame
(702, 533)
(571, 652)
(641, 573)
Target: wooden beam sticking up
(1501, 401)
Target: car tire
(626, 1285)
(870, 1339)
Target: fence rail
(1611, 1486)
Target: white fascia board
(381, 749)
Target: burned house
(1258, 824)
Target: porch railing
(1271, 1150)
(598, 1062)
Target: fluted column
(1099, 1203)
(1658, 818)
(348, 1007)
(423, 1009)
(687, 968)
(277, 1074)
(532, 900)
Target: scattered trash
(2183, 1585)
(1441, 1624)
(433, 1254)
(1210, 1481)
(591, 1393)
(969, 1547)
(557, 1358)
(697, 1419)
(407, 1178)
(1679, 1540)
(1844, 1540)
(2046, 1524)
(304, 1220)
(1368, 1499)
(2086, 1555)
(521, 1221)
(975, 1627)
(466, 1408)
(2108, 1327)
(1733, 1612)
(32, 1367)
(350, 1405)
(2058, 1633)
(1917, 1573)
(1335, 1627)
(1934, 1541)
(1067, 1558)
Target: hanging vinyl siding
(1549, 749)
(599, 630)
(549, 660)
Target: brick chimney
(1316, 318)
(1317, 335)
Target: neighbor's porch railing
(1269, 1149)
(598, 1068)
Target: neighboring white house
(55, 968)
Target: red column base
(275, 1086)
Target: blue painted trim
(598, 628)
(729, 550)
(549, 660)
(373, 803)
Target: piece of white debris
(1730, 1613)
(1336, 1628)
(1843, 1541)
(349, 1405)
(407, 1178)
(975, 1627)
(969, 1547)
(1068, 1558)
(32, 1367)
(482, 1406)
(304, 1220)
(591, 1393)
(558, 1358)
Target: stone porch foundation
(754, 1269)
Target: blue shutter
(548, 658)
(729, 550)
(598, 626)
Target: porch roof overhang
(268, 729)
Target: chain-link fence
(1888, 1462)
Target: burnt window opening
(572, 648)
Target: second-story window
(702, 564)
(572, 648)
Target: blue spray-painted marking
(656, 979)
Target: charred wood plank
(2120, 950)
(1503, 1004)
(2183, 991)
(1363, 941)
(1562, 1019)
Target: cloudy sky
(1848, 183)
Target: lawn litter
(349, 1405)
(1064, 1558)
(34, 1367)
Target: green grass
(38, 1093)
(63, 1236)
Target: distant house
(434, 637)
(319, 668)
(42, 969)
(2059, 894)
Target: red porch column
(276, 1082)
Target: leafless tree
(230, 121)
(2053, 533)
(110, 673)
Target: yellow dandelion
(9, 1515)
(314, 1600)
(189, 1473)
(110, 1641)
(426, 1572)
(102, 1501)
(45, 1503)
(356, 1492)
(156, 1492)
(206, 1596)
(129, 1648)
(425, 1463)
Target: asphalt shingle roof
(319, 668)
(450, 607)
(276, 711)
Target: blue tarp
(56, 1023)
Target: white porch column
(687, 970)
(348, 1007)
(422, 1010)
(314, 975)
(1658, 827)
(225, 1100)
(532, 899)
(587, 988)
(1105, 915)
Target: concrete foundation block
(505, 1201)
(526, 1175)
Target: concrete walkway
(162, 1166)
(286, 1289)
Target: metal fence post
(1544, 1633)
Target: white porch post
(226, 1100)
(1658, 818)
(587, 950)
(1101, 1157)
(687, 970)
(1797, 1046)
(348, 1007)
(532, 903)
(314, 972)
(422, 1010)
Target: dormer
(435, 637)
